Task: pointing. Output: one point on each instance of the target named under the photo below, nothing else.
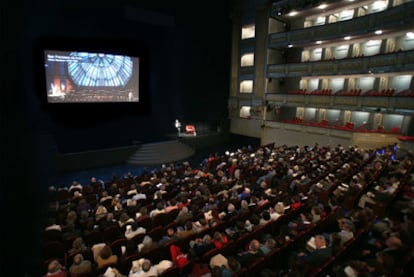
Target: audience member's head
(280, 208)
(146, 265)
(78, 259)
(233, 264)
(320, 241)
(394, 242)
(254, 246)
(105, 252)
(270, 243)
(54, 266)
(147, 241)
(266, 215)
(188, 225)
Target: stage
(202, 139)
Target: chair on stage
(190, 130)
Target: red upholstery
(406, 138)
(190, 129)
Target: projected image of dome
(100, 70)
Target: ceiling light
(322, 6)
(319, 42)
(378, 32)
(293, 13)
(410, 34)
(347, 38)
(290, 45)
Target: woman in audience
(277, 211)
(219, 239)
(295, 202)
(100, 213)
(244, 207)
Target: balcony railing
(403, 101)
(391, 18)
(401, 61)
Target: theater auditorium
(225, 138)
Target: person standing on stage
(178, 126)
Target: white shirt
(152, 272)
(129, 233)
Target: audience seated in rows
(210, 199)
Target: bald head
(54, 266)
(394, 242)
(254, 245)
(77, 259)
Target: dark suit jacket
(317, 257)
(247, 258)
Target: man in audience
(80, 266)
(232, 266)
(394, 248)
(105, 258)
(268, 245)
(158, 209)
(316, 257)
(169, 236)
(108, 222)
(247, 257)
(55, 269)
(147, 245)
(145, 270)
(183, 216)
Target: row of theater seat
(354, 92)
(349, 126)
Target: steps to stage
(161, 152)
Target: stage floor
(204, 144)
